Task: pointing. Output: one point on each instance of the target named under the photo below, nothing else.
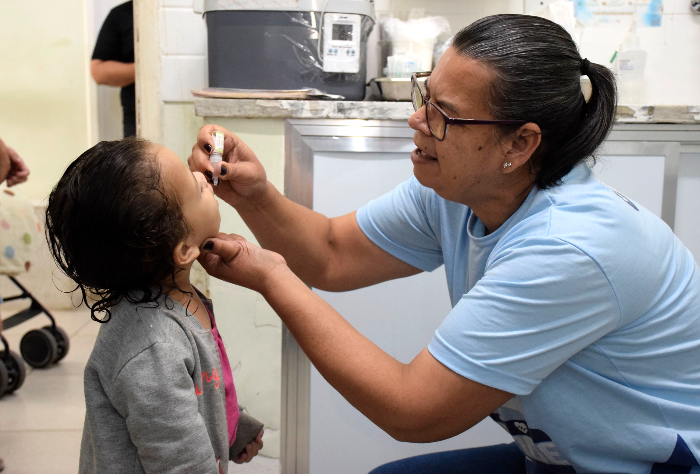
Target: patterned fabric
(19, 233)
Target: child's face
(197, 201)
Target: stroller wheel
(16, 371)
(3, 379)
(39, 348)
(62, 341)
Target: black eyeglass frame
(448, 120)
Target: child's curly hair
(111, 226)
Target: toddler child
(126, 222)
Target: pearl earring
(506, 165)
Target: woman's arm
(329, 254)
(422, 401)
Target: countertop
(371, 110)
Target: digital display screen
(342, 32)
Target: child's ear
(185, 254)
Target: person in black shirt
(113, 60)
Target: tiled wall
(183, 39)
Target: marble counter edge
(371, 110)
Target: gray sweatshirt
(154, 393)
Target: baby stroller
(19, 233)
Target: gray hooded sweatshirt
(154, 393)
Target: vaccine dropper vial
(218, 152)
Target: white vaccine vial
(217, 154)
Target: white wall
(672, 71)
(45, 108)
(43, 87)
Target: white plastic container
(413, 43)
(631, 62)
(419, 49)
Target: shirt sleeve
(402, 223)
(158, 401)
(107, 47)
(539, 302)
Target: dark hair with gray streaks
(537, 68)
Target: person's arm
(329, 254)
(422, 401)
(113, 73)
(110, 66)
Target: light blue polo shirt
(583, 304)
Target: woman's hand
(231, 258)
(241, 176)
(251, 450)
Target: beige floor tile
(47, 400)
(37, 452)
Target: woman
(576, 312)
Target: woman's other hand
(241, 176)
(251, 450)
(231, 258)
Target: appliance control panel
(341, 42)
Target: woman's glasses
(439, 120)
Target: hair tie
(585, 66)
(585, 81)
